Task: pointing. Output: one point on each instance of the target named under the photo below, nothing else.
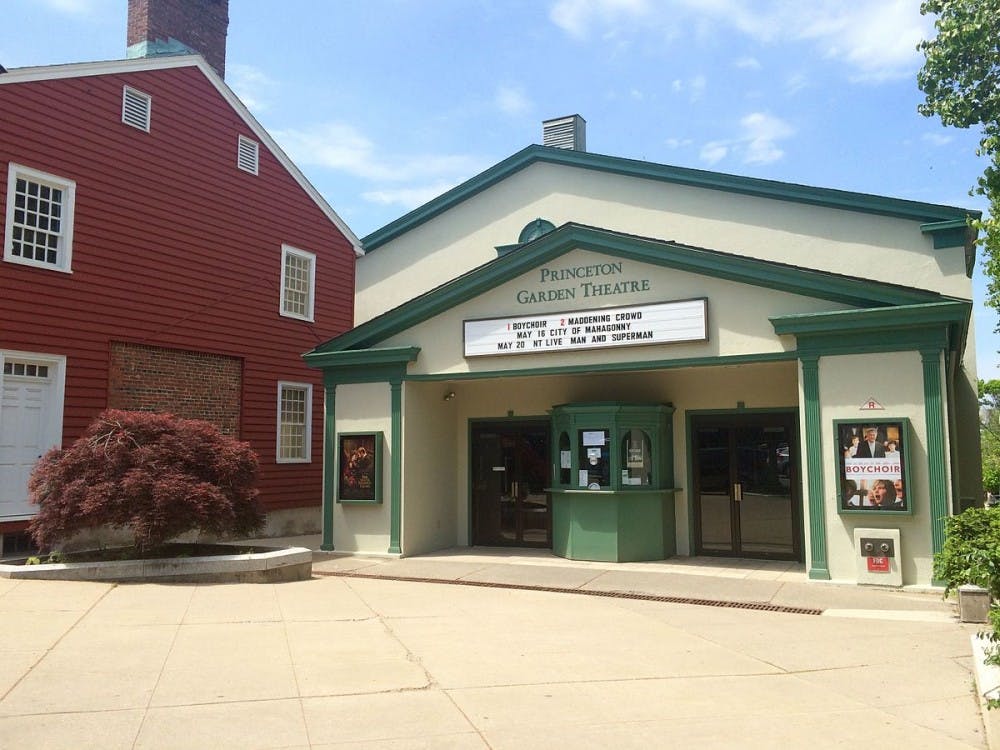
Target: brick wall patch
(194, 385)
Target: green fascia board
(367, 366)
(937, 325)
(753, 186)
(952, 233)
(612, 367)
(906, 340)
(875, 319)
(955, 233)
(401, 355)
(780, 277)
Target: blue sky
(384, 104)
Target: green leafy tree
(989, 430)
(961, 81)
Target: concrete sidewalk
(762, 583)
(374, 662)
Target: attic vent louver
(136, 108)
(565, 132)
(247, 155)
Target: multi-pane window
(39, 218)
(25, 369)
(294, 422)
(298, 282)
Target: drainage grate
(760, 606)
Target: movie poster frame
(888, 429)
(372, 443)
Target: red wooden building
(161, 252)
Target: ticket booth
(612, 495)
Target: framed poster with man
(359, 467)
(872, 465)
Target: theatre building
(624, 361)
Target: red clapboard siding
(173, 247)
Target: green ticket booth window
(594, 457)
(565, 459)
(636, 459)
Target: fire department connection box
(878, 556)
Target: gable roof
(809, 282)
(135, 65)
(928, 214)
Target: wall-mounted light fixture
(449, 395)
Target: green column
(396, 488)
(329, 464)
(818, 566)
(931, 359)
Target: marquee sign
(635, 325)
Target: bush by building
(156, 476)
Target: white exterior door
(31, 410)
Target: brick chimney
(179, 27)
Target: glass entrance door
(746, 490)
(510, 471)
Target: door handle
(738, 492)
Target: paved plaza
(342, 661)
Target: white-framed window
(298, 283)
(248, 155)
(39, 228)
(137, 108)
(294, 423)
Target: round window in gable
(535, 229)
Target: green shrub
(971, 554)
(971, 551)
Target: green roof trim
(388, 356)
(507, 249)
(906, 327)
(955, 233)
(612, 367)
(927, 213)
(874, 320)
(780, 277)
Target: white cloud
(747, 63)
(757, 143)
(695, 87)
(714, 151)
(413, 178)
(74, 7)
(251, 85)
(678, 142)
(761, 135)
(512, 100)
(875, 39)
(576, 17)
(407, 198)
(795, 83)
(878, 39)
(936, 139)
(340, 146)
